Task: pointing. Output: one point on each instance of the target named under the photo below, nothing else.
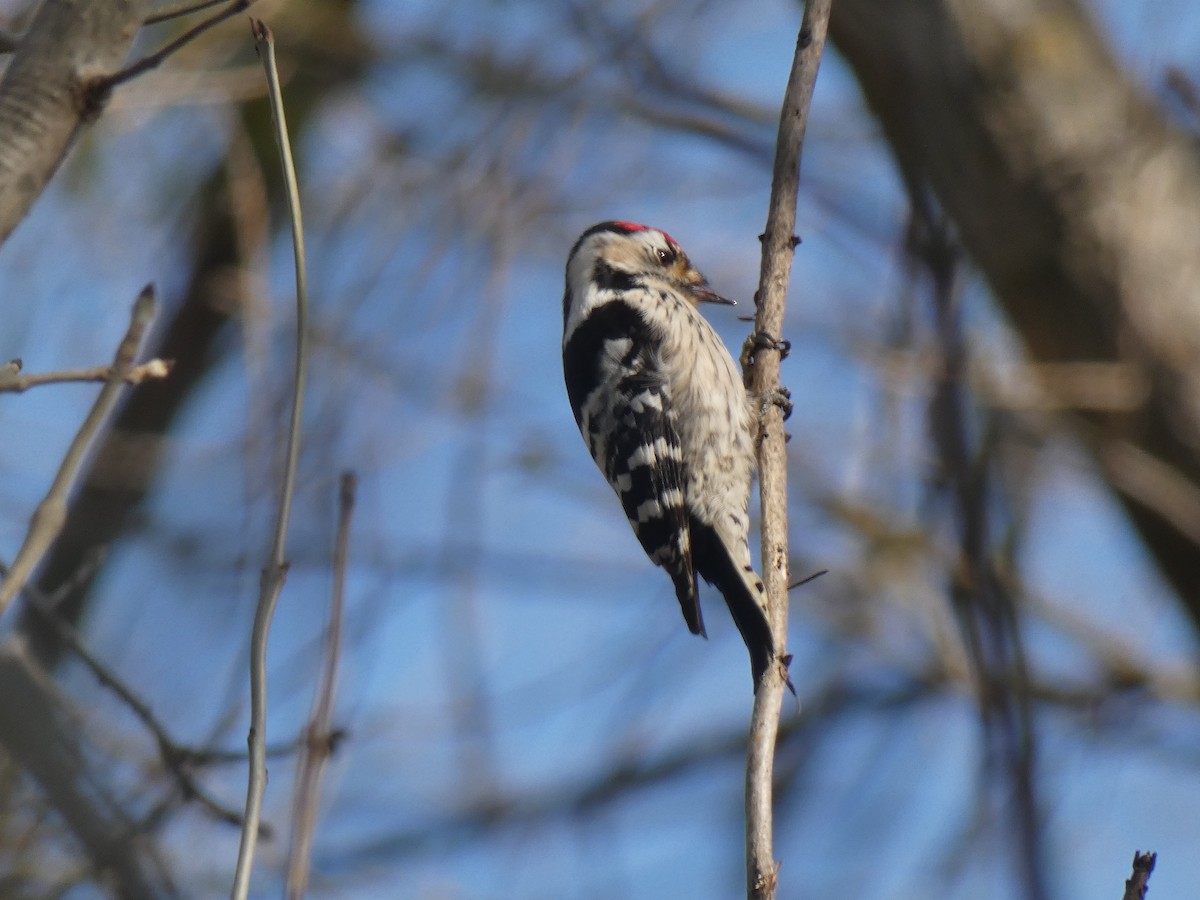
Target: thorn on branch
(808, 578)
(785, 665)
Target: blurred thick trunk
(1079, 203)
(48, 91)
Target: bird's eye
(665, 256)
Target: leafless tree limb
(778, 244)
(626, 775)
(320, 738)
(1083, 216)
(178, 12)
(48, 519)
(986, 610)
(38, 732)
(176, 758)
(155, 59)
(1137, 883)
(276, 571)
(12, 381)
(45, 96)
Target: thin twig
(276, 571)
(778, 244)
(319, 737)
(51, 513)
(1185, 90)
(12, 381)
(1138, 883)
(175, 757)
(985, 608)
(102, 86)
(177, 12)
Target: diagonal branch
(778, 244)
(153, 60)
(175, 758)
(51, 513)
(178, 12)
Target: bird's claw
(778, 396)
(763, 341)
(760, 340)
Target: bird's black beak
(702, 293)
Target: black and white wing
(623, 409)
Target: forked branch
(51, 513)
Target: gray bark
(50, 91)
(1079, 203)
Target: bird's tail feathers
(689, 599)
(743, 592)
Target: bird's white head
(614, 257)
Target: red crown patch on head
(635, 226)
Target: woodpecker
(663, 411)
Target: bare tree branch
(778, 244)
(39, 733)
(1083, 216)
(984, 606)
(51, 513)
(177, 12)
(276, 571)
(1137, 883)
(12, 381)
(155, 59)
(320, 738)
(176, 758)
(46, 93)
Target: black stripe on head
(611, 279)
(602, 274)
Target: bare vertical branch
(984, 606)
(51, 513)
(319, 738)
(276, 571)
(778, 244)
(1137, 884)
